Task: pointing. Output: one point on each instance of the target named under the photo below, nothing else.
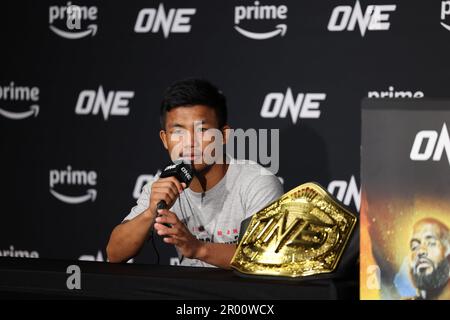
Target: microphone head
(183, 171)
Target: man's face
(192, 133)
(429, 264)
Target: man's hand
(178, 235)
(217, 254)
(167, 189)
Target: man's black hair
(190, 92)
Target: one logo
(302, 230)
(115, 103)
(392, 93)
(261, 12)
(77, 178)
(142, 180)
(174, 21)
(445, 11)
(72, 16)
(186, 173)
(431, 144)
(302, 233)
(304, 106)
(346, 192)
(12, 252)
(99, 257)
(375, 18)
(15, 94)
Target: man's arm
(217, 254)
(127, 238)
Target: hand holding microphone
(171, 183)
(173, 180)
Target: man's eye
(414, 247)
(432, 244)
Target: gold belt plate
(301, 234)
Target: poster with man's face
(405, 199)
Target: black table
(43, 278)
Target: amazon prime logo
(18, 253)
(260, 12)
(12, 94)
(445, 12)
(73, 15)
(74, 178)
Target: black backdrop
(410, 57)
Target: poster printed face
(429, 266)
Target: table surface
(44, 278)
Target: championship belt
(303, 233)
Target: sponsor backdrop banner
(80, 90)
(405, 209)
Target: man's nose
(193, 140)
(422, 251)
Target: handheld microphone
(182, 171)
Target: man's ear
(226, 131)
(163, 137)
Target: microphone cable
(152, 233)
(152, 236)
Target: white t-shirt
(216, 215)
